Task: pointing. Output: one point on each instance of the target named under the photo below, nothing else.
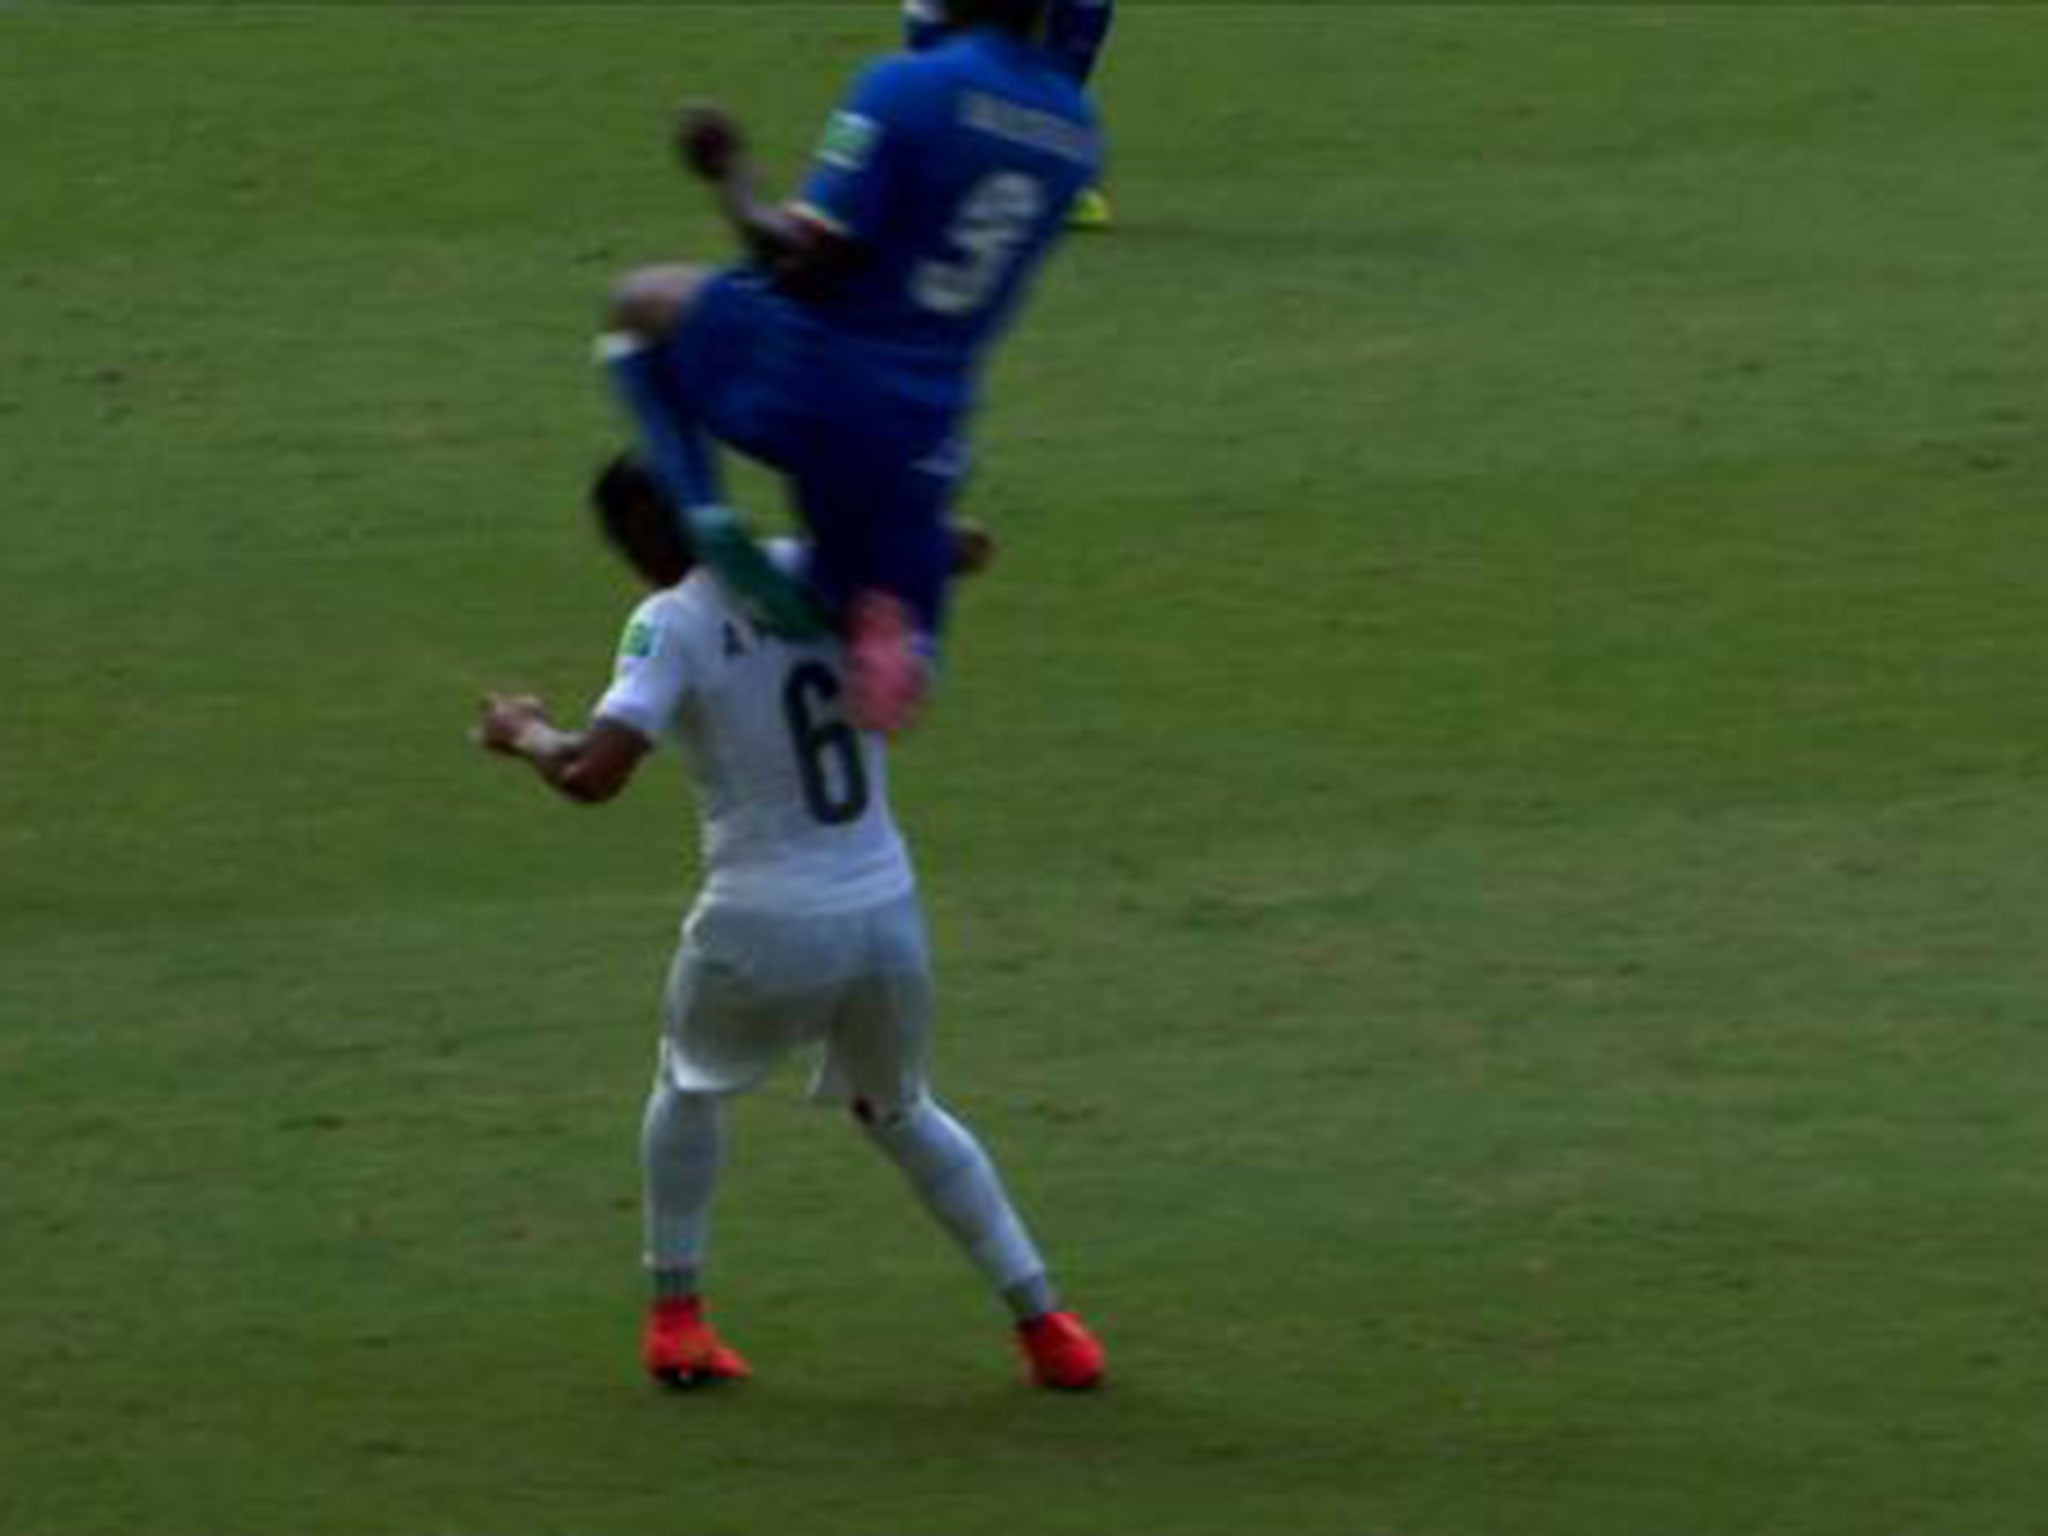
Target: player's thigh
(879, 1047)
(740, 361)
(723, 1030)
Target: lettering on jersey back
(1044, 131)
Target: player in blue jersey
(847, 351)
(1074, 30)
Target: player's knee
(922, 1140)
(651, 301)
(873, 1116)
(879, 1118)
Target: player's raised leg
(876, 501)
(958, 1184)
(644, 312)
(648, 351)
(682, 1147)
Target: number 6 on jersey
(824, 742)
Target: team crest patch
(849, 140)
(639, 641)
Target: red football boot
(1060, 1352)
(681, 1349)
(888, 662)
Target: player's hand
(710, 141)
(502, 717)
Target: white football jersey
(794, 800)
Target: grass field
(1486, 844)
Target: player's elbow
(590, 783)
(807, 257)
(602, 763)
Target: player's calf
(958, 1184)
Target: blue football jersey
(953, 170)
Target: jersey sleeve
(860, 161)
(653, 673)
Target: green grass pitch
(1486, 843)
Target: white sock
(958, 1184)
(682, 1147)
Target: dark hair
(641, 521)
(1025, 18)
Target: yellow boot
(1091, 210)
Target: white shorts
(747, 988)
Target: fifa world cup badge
(849, 140)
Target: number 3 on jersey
(828, 755)
(994, 222)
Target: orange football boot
(681, 1349)
(1061, 1353)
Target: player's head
(641, 522)
(1024, 18)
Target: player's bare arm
(589, 766)
(801, 251)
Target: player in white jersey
(807, 929)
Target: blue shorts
(872, 465)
